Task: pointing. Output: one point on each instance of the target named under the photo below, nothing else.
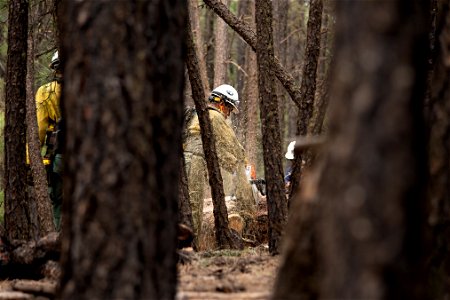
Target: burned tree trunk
(223, 234)
(123, 106)
(18, 211)
(273, 169)
(372, 214)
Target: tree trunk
(39, 192)
(222, 232)
(251, 97)
(199, 44)
(123, 106)
(244, 30)
(371, 191)
(308, 88)
(221, 50)
(439, 153)
(281, 9)
(273, 169)
(17, 208)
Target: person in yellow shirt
(48, 113)
(231, 155)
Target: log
(37, 288)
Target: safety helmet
(55, 61)
(290, 150)
(226, 93)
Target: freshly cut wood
(12, 295)
(35, 287)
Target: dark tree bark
(308, 87)
(439, 153)
(18, 212)
(371, 191)
(223, 234)
(123, 106)
(39, 192)
(273, 169)
(245, 31)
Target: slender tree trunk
(123, 106)
(18, 212)
(308, 88)
(198, 39)
(221, 50)
(281, 9)
(252, 96)
(245, 31)
(273, 169)
(40, 185)
(222, 232)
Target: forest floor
(228, 274)
(212, 275)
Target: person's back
(231, 154)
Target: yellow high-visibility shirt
(48, 110)
(47, 107)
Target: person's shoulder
(45, 91)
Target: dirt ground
(211, 275)
(226, 274)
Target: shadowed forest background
(361, 86)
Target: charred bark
(18, 212)
(273, 169)
(123, 105)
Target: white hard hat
(228, 94)
(55, 60)
(290, 150)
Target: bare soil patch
(228, 274)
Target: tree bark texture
(245, 31)
(123, 106)
(222, 232)
(18, 212)
(221, 50)
(381, 230)
(439, 153)
(39, 192)
(273, 169)
(371, 190)
(199, 43)
(308, 87)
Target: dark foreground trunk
(123, 106)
